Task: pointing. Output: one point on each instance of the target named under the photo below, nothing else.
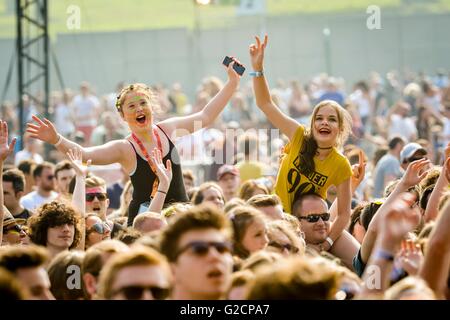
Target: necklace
(326, 148)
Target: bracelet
(384, 255)
(164, 192)
(256, 73)
(330, 241)
(59, 141)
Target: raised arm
(79, 193)
(413, 175)
(435, 268)
(431, 211)
(286, 124)
(395, 223)
(5, 151)
(185, 125)
(111, 152)
(164, 176)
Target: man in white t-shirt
(86, 110)
(44, 177)
(401, 124)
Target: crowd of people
(299, 192)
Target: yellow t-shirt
(333, 170)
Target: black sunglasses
(201, 248)
(100, 228)
(100, 196)
(286, 246)
(316, 216)
(15, 228)
(136, 292)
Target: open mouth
(215, 274)
(324, 131)
(96, 209)
(141, 119)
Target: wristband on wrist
(330, 241)
(256, 73)
(59, 141)
(162, 191)
(384, 255)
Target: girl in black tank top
(143, 178)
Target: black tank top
(143, 177)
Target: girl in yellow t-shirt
(311, 161)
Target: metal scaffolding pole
(33, 57)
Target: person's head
(136, 104)
(237, 289)
(403, 108)
(249, 229)
(228, 179)
(27, 168)
(85, 88)
(282, 239)
(396, 145)
(96, 230)
(44, 176)
(61, 272)
(96, 197)
(252, 188)
(13, 232)
(139, 274)
(410, 288)
(368, 212)
(330, 124)
(209, 192)
(312, 211)
(63, 174)
(269, 204)
(27, 263)
(55, 225)
(10, 287)
(330, 127)
(411, 152)
(356, 228)
(233, 203)
(295, 279)
(128, 235)
(197, 245)
(189, 179)
(93, 262)
(149, 221)
(260, 259)
(13, 188)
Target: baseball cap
(409, 149)
(227, 168)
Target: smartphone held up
(239, 68)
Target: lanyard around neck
(147, 157)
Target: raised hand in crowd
(410, 257)
(164, 174)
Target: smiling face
(137, 110)
(325, 126)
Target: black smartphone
(239, 68)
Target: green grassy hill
(114, 15)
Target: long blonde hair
(309, 147)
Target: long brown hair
(309, 146)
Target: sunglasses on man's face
(100, 196)
(201, 248)
(312, 218)
(136, 292)
(281, 246)
(100, 228)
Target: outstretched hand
(75, 157)
(399, 218)
(233, 76)
(44, 130)
(257, 53)
(358, 171)
(164, 173)
(5, 148)
(416, 171)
